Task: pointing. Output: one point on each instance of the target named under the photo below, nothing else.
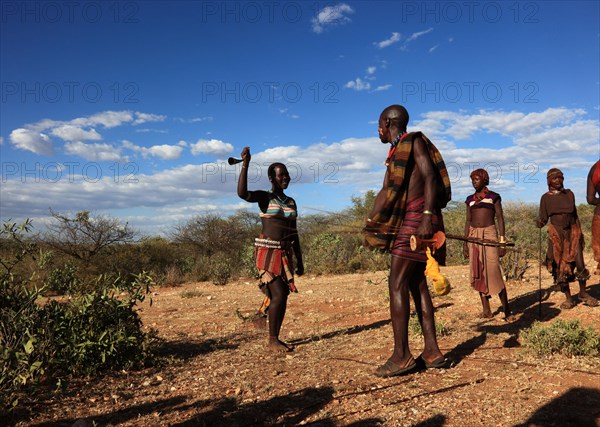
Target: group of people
(416, 188)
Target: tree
(211, 234)
(86, 235)
(362, 206)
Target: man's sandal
(391, 369)
(440, 362)
(588, 300)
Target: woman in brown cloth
(565, 239)
(276, 246)
(593, 189)
(484, 209)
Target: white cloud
(371, 70)
(29, 140)
(148, 130)
(212, 146)
(331, 16)
(382, 88)
(394, 38)
(146, 117)
(413, 37)
(544, 137)
(358, 85)
(165, 152)
(75, 133)
(107, 119)
(94, 152)
(431, 49)
(200, 119)
(34, 136)
(1, 140)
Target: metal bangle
(427, 212)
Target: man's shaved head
(397, 116)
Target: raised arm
(242, 188)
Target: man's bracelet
(427, 212)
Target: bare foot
(509, 318)
(486, 315)
(587, 299)
(567, 304)
(277, 346)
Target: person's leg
(568, 303)
(400, 309)
(485, 304)
(582, 276)
(279, 293)
(596, 241)
(508, 316)
(425, 312)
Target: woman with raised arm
(276, 246)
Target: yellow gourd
(441, 285)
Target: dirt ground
(221, 375)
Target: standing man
(593, 188)
(415, 189)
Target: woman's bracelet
(427, 212)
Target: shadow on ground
(577, 407)
(290, 409)
(346, 331)
(189, 348)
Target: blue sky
(131, 108)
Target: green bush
(87, 334)
(20, 365)
(95, 332)
(324, 253)
(220, 268)
(565, 337)
(64, 279)
(248, 263)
